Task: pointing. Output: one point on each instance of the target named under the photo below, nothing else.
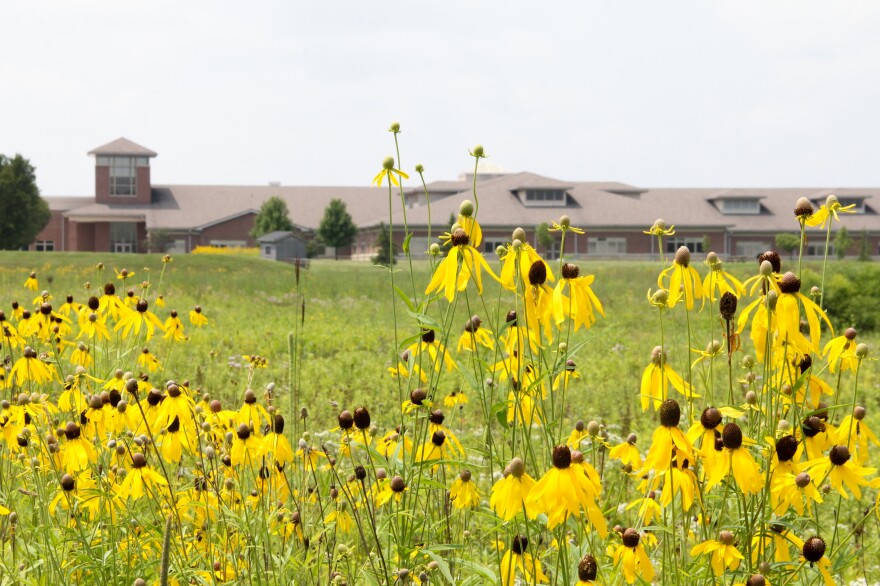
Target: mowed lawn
(338, 318)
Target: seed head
(538, 273)
(631, 538)
(138, 460)
(670, 413)
(803, 208)
(859, 413)
(839, 455)
(790, 283)
(517, 467)
(727, 305)
(561, 456)
(756, 580)
(388, 163)
(478, 151)
(438, 438)
(683, 256)
(362, 418)
(587, 568)
(862, 351)
(711, 418)
(773, 258)
(786, 448)
(732, 436)
(814, 549)
(519, 234)
(466, 208)
(397, 484)
(465, 475)
(68, 483)
(726, 537)
(570, 271)
(418, 396)
(802, 480)
(460, 237)
(437, 417)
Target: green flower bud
(466, 208)
(395, 127)
(478, 151)
(420, 168)
(862, 351)
(388, 163)
(519, 234)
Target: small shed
(282, 245)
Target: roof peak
(123, 146)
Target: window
(752, 248)
(606, 246)
(123, 178)
(228, 243)
(44, 245)
(267, 250)
(818, 249)
(489, 246)
(741, 206)
(123, 236)
(694, 244)
(545, 197)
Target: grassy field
(346, 328)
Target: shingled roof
(123, 147)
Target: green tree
(543, 236)
(788, 243)
(158, 241)
(23, 213)
(336, 228)
(384, 254)
(864, 247)
(842, 242)
(273, 217)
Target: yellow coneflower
(246, 447)
(781, 539)
(789, 317)
(648, 508)
(854, 433)
(174, 441)
(393, 488)
(737, 460)
(813, 552)
(148, 361)
(474, 333)
(657, 378)
(450, 276)
(631, 555)
(627, 452)
(840, 471)
(725, 556)
(564, 491)
(29, 368)
(110, 304)
(538, 302)
(517, 560)
(581, 305)
(793, 491)
(829, 210)
(134, 320)
(840, 352)
(176, 405)
(463, 492)
(518, 259)
(197, 318)
(252, 414)
(174, 328)
(276, 443)
(718, 281)
(81, 356)
(388, 171)
(139, 479)
(77, 453)
(509, 493)
(436, 351)
(123, 274)
(455, 399)
(683, 280)
(565, 375)
(668, 437)
(31, 282)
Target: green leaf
(406, 242)
(426, 321)
(500, 410)
(441, 563)
(405, 298)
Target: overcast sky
(649, 93)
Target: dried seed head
(812, 425)
(537, 273)
(814, 549)
(756, 580)
(711, 418)
(803, 208)
(361, 418)
(438, 438)
(519, 544)
(773, 258)
(561, 456)
(802, 480)
(418, 396)
(786, 448)
(732, 436)
(397, 484)
(460, 237)
(428, 336)
(726, 537)
(839, 455)
(138, 460)
(437, 417)
(859, 413)
(570, 271)
(465, 475)
(670, 413)
(789, 283)
(727, 305)
(346, 420)
(517, 467)
(360, 472)
(68, 483)
(683, 256)
(631, 538)
(250, 397)
(587, 568)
